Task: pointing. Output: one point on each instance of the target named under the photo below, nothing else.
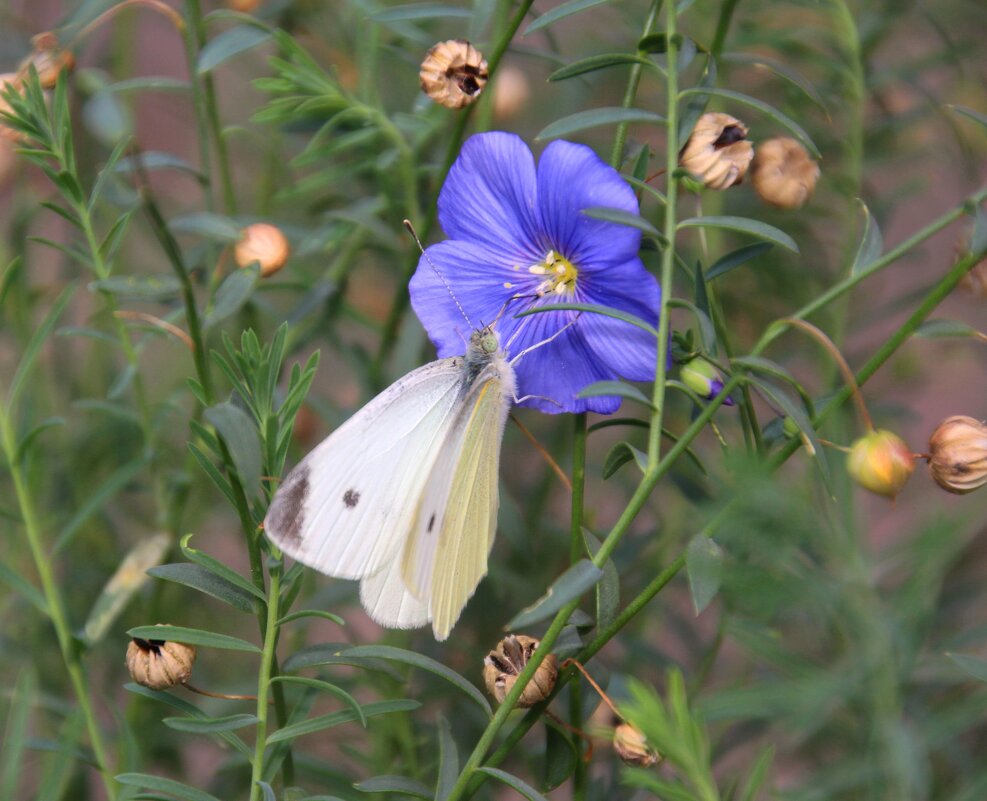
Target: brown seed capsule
(783, 172)
(958, 454)
(632, 747)
(49, 59)
(502, 666)
(453, 73)
(159, 664)
(264, 244)
(717, 151)
(511, 91)
(881, 462)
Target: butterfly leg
(544, 342)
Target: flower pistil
(560, 275)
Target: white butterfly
(404, 495)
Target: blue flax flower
(518, 232)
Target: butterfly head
(484, 341)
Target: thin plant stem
(671, 224)
(267, 669)
(54, 601)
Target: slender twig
(543, 453)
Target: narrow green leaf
(622, 217)
(561, 757)
(599, 62)
(416, 11)
(192, 711)
(239, 433)
(213, 565)
(210, 470)
(938, 328)
(570, 585)
(561, 12)
(229, 43)
(325, 686)
(871, 242)
(780, 69)
(608, 589)
(24, 446)
(743, 225)
(784, 121)
(205, 581)
(343, 716)
(976, 116)
(57, 770)
(514, 782)
(418, 660)
(736, 258)
(151, 160)
(233, 294)
(395, 784)
(335, 653)
(15, 732)
(267, 791)
(758, 774)
(189, 636)
(606, 311)
(125, 582)
(448, 761)
(107, 118)
(30, 353)
(619, 455)
(973, 665)
(178, 789)
(978, 237)
(591, 118)
(317, 613)
(704, 565)
(24, 588)
(139, 287)
(213, 226)
(211, 725)
(611, 388)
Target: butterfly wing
(446, 556)
(347, 508)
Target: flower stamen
(562, 275)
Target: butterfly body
(404, 495)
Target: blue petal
(478, 281)
(554, 372)
(571, 178)
(489, 197)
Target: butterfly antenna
(438, 272)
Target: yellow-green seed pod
(881, 462)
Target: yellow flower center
(560, 275)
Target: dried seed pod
(264, 244)
(159, 664)
(783, 172)
(511, 91)
(881, 462)
(502, 666)
(958, 454)
(453, 73)
(49, 58)
(631, 746)
(717, 151)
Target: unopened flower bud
(783, 172)
(49, 59)
(453, 73)
(159, 664)
(503, 665)
(717, 151)
(881, 462)
(511, 91)
(703, 379)
(632, 747)
(264, 244)
(958, 454)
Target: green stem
(207, 110)
(54, 601)
(577, 547)
(727, 7)
(267, 669)
(671, 224)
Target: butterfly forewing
(344, 510)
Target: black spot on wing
(351, 498)
(431, 523)
(286, 516)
